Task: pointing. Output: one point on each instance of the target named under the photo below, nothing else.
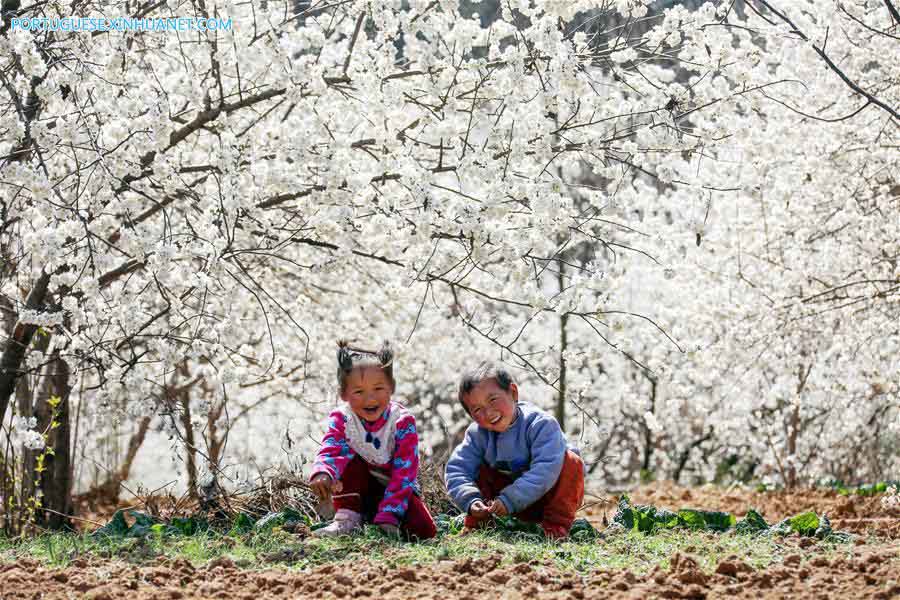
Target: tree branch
(851, 84)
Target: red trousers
(362, 493)
(554, 510)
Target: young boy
(514, 459)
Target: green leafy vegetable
(804, 523)
(583, 531)
(752, 522)
(242, 524)
(649, 518)
(117, 526)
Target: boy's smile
(492, 407)
(368, 392)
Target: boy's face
(368, 392)
(492, 407)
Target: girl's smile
(368, 392)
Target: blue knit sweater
(531, 451)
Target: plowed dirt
(871, 575)
(868, 569)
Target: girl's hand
(498, 508)
(322, 486)
(392, 531)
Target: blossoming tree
(781, 237)
(191, 219)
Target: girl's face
(368, 391)
(492, 407)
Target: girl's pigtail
(349, 357)
(344, 358)
(385, 354)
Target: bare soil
(870, 569)
(871, 575)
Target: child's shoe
(555, 532)
(345, 522)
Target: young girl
(368, 462)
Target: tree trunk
(184, 398)
(214, 441)
(11, 361)
(31, 395)
(686, 454)
(600, 455)
(563, 344)
(794, 428)
(56, 482)
(792, 446)
(648, 435)
(134, 444)
(110, 488)
(25, 408)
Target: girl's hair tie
(345, 360)
(349, 357)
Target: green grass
(634, 551)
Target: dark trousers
(554, 509)
(362, 493)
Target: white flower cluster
(891, 498)
(41, 319)
(23, 433)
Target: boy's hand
(479, 509)
(322, 486)
(498, 508)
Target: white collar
(380, 445)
